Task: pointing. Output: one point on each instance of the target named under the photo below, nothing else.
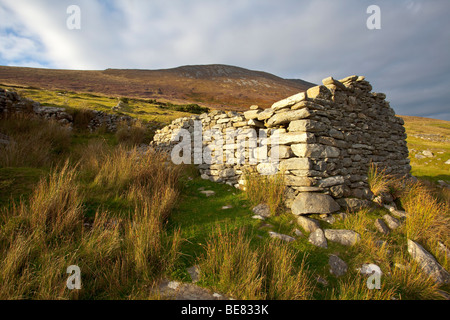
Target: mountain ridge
(216, 85)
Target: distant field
(432, 135)
(143, 109)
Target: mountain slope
(217, 86)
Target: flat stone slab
(428, 263)
(308, 203)
(342, 236)
(280, 236)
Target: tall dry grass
(428, 219)
(131, 134)
(43, 235)
(268, 189)
(34, 142)
(378, 180)
(234, 267)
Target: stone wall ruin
(327, 138)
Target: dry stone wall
(12, 103)
(326, 139)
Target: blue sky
(408, 58)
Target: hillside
(216, 86)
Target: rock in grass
(344, 237)
(381, 226)
(391, 221)
(258, 217)
(194, 272)
(308, 224)
(280, 236)
(308, 202)
(318, 239)
(428, 263)
(262, 210)
(338, 267)
(208, 193)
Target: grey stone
(280, 236)
(308, 224)
(428, 153)
(208, 193)
(266, 114)
(315, 150)
(336, 134)
(318, 239)
(381, 226)
(328, 218)
(308, 203)
(353, 204)
(338, 267)
(267, 168)
(194, 272)
(428, 263)
(285, 103)
(306, 125)
(337, 191)
(318, 92)
(296, 164)
(344, 237)
(391, 221)
(293, 137)
(331, 181)
(262, 210)
(285, 117)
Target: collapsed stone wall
(326, 139)
(12, 103)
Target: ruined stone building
(325, 140)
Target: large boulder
(309, 203)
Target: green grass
(146, 110)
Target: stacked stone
(11, 102)
(335, 131)
(218, 123)
(109, 121)
(327, 138)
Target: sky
(408, 58)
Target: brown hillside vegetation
(216, 86)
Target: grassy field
(148, 110)
(130, 219)
(419, 130)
